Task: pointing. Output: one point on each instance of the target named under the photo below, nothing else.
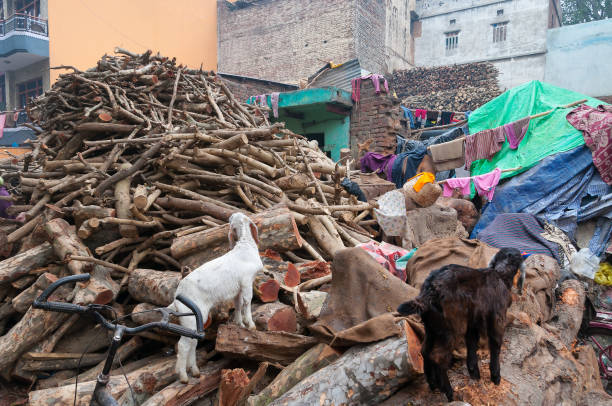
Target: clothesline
(502, 171)
(545, 113)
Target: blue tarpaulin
(563, 189)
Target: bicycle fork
(101, 395)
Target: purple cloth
(374, 162)
(274, 100)
(516, 131)
(356, 85)
(4, 204)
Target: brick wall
(243, 88)
(370, 34)
(284, 40)
(376, 116)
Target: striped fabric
(521, 231)
(483, 145)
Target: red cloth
(386, 255)
(2, 122)
(596, 127)
(483, 145)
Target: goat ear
(254, 233)
(231, 236)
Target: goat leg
(495, 330)
(471, 342)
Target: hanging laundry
(375, 162)
(516, 131)
(446, 117)
(448, 155)
(406, 164)
(421, 117)
(485, 184)
(463, 184)
(408, 115)
(483, 145)
(596, 127)
(431, 118)
(2, 122)
(356, 85)
(274, 100)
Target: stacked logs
(450, 88)
(137, 166)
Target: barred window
(500, 31)
(452, 41)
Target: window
(500, 12)
(29, 7)
(500, 31)
(27, 90)
(452, 22)
(452, 41)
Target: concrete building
(578, 58)
(511, 34)
(288, 40)
(24, 52)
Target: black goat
(458, 301)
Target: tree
(583, 11)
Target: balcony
(24, 40)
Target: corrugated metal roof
(339, 77)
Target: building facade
(511, 34)
(288, 40)
(24, 52)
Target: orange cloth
(423, 178)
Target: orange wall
(81, 31)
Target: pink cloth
(516, 131)
(456, 183)
(485, 184)
(356, 85)
(274, 100)
(420, 113)
(2, 122)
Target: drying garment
(483, 145)
(16, 116)
(408, 115)
(521, 231)
(431, 118)
(485, 184)
(516, 131)
(2, 122)
(274, 100)
(423, 178)
(354, 189)
(406, 164)
(463, 184)
(446, 117)
(356, 85)
(596, 127)
(448, 155)
(375, 162)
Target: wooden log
(266, 288)
(62, 363)
(268, 346)
(123, 203)
(277, 231)
(178, 394)
(22, 302)
(21, 264)
(275, 317)
(198, 206)
(161, 374)
(65, 242)
(362, 375)
(93, 128)
(319, 356)
(101, 289)
(310, 304)
(87, 337)
(233, 382)
(140, 197)
(325, 240)
(157, 287)
(295, 181)
(232, 143)
(81, 213)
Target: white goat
(229, 277)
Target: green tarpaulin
(547, 135)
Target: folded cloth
(447, 117)
(448, 155)
(516, 131)
(423, 178)
(485, 184)
(451, 184)
(483, 145)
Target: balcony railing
(24, 22)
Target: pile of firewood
(136, 169)
(450, 88)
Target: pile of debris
(450, 88)
(139, 164)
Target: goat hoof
(496, 379)
(475, 374)
(252, 326)
(195, 372)
(184, 378)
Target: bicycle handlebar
(41, 303)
